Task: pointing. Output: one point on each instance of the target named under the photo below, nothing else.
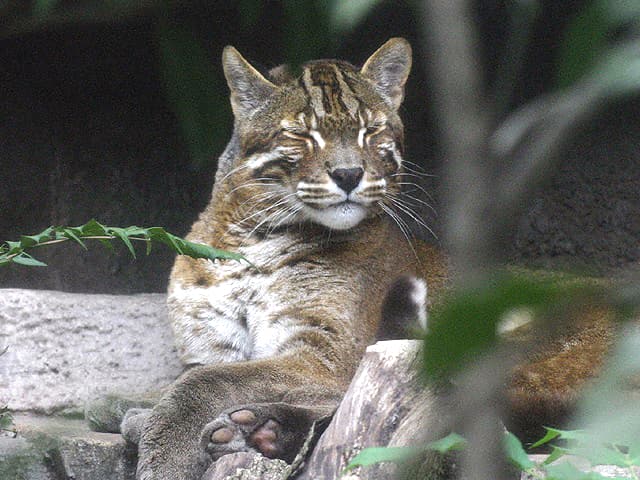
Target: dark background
(88, 130)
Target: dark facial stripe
(328, 91)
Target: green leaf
(159, 234)
(121, 234)
(371, 456)
(556, 453)
(550, 435)
(72, 233)
(14, 247)
(634, 453)
(93, 228)
(14, 251)
(619, 71)
(196, 92)
(451, 442)
(583, 43)
(195, 250)
(606, 409)
(621, 12)
(134, 231)
(28, 260)
(516, 453)
(107, 244)
(601, 455)
(27, 241)
(42, 8)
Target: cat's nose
(347, 178)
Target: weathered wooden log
(386, 405)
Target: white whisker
(253, 184)
(402, 225)
(412, 213)
(415, 185)
(417, 169)
(282, 200)
(416, 199)
(233, 171)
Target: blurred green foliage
(193, 86)
(589, 35)
(42, 8)
(466, 325)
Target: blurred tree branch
(490, 172)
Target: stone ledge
(66, 348)
(56, 448)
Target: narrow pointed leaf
(515, 452)
(120, 233)
(451, 442)
(556, 453)
(71, 234)
(14, 247)
(28, 260)
(134, 231)
(160, 235)
(550, 435)
(92, 227)
(371, 456)
(27, 241)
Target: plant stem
(8, 258)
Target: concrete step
(58, 448)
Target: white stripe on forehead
(258, 160)
(361, 133)
(318, 138)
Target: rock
(21, 460)
(64, 349)
(50, 448)
(247, 466)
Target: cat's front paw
(242, 430)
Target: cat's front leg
(171, 442)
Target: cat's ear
(388, 69)
(249, 89)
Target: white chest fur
(239, 317)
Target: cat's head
(324, 147)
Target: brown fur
(317, 293)
(543, 391)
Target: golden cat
(305, 190)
